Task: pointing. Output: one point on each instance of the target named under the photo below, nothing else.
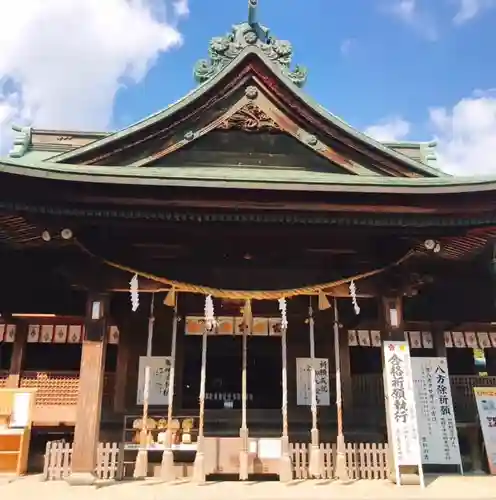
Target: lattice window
(62, 388)
(54, 388)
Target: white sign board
(269, 448)
(485, 398)
(400, 402)
(436, 417)
(21, 410)
(304, 381)
(158, 390)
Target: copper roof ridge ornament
(224, 49)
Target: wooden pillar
(243, 431)
(18, 351)
(340, 468)
(344, 357)
(89, 406)
(199, 465)
(179, 367)
(121, 371)
(314, 461)
(167, 471)
(438, 341)
(286, 466)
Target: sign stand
(435, 416)
(400, 409)
(411, 390)
(485, 397)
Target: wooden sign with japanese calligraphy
(436, 417)
(303, 381)
(485, 398)
(400, 404)
(160, 367)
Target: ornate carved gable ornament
(22, 141)
(224, 49)
(249, 118)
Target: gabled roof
(250, 58)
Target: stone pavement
(442, 488)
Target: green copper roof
(247, 40)
(246, 178)
(224, 49)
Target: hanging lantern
(134, 291)
(353, 295)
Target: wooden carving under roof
(249, 118)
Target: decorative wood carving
(250, 118)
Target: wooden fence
(58, 461)
(364, 460)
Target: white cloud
(465, 134)
(405, 9)
(181, 7)
(390, 129)
(415, 13)
(63, 61)
(468, 9)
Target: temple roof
(248, 72)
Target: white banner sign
(436, 417)
(485, 398)
(401, 404)
(158, 390)
(304, 381)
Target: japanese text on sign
(436, 419)
(304, 381)
(401, 403)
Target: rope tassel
(134, 291)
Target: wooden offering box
(16, 409)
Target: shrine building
(231, 242)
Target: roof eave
(149, 177)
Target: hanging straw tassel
(170, 298)
(323, 301)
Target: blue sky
(366, 62)
(396, 69)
